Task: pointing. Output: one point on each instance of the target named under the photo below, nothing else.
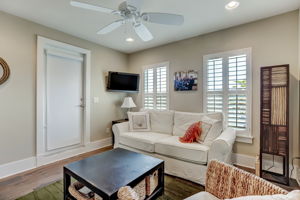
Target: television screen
(118, 81)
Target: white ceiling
(201, 16)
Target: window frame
(242, 135)
(155, 66)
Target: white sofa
(185, 160)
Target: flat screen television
(123, 82)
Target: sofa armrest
(117, 129)
(221, 147)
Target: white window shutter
(161, 102)
(161, 88)
(237, 72)
(214, 99)
(237, 97)
(214, 103)
(149, 81)
(237, 108)
(156, 92)
(149, 102)
(149, 88)
(227, 87)
(215, 75)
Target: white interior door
(64, 100)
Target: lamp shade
(128, 103)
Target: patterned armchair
(224, 181)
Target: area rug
(175, 189)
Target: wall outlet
(107, 130)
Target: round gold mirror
(4, 71)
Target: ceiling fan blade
(142, 31)
(109, 28)
(163, 18)
(81, 4)
(135, 3)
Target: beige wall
(274, 41)
(18, 39)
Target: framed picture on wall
(186, 80)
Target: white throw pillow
(293, 195)
(213, 132)
(183, 120)
(161, 120)
(139, 121)
(205, 127)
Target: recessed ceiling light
(129, 39)
(232, 5)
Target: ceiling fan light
(232, 5)
(129, 39)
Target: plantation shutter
(149, 88)
(226, 87)
(156, 87)
(237, 94)
(214, 74)
(161, 88)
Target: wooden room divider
(274, 124)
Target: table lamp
(128, 103)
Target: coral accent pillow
(192, 134)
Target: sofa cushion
(182, 120)
(141, 140)
(161, 120)
(202, 196)
(192, 152)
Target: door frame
(42, 45)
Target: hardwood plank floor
(21, 184)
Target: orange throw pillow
(192, 134)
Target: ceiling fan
(130, 11)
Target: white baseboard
(249, 161)
(16, 167)
(47, 159)
(19, 166)
(243, 160)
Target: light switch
(96, 99)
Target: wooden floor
(21, 184)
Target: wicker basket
(140, 189)
(74, 191)
(151, 182)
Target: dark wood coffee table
(107, 172)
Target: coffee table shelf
(107, 172)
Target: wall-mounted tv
(123, 82)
